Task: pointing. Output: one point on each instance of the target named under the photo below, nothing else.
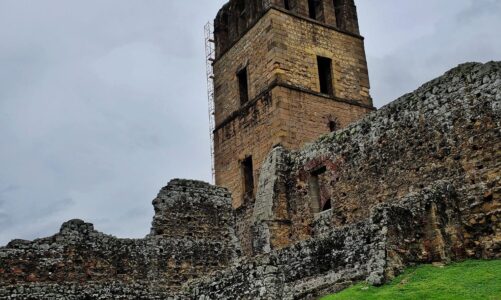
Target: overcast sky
(102, 102)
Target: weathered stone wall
(303, 117)
(449, 129)
(413, 229)
(375, 249)
(192, 235)
(253, 132)
(285, 104)
(282, 117)
(310, 268)
(252, 52)
(196, 210)
(295, 46)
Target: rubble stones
(192, 235)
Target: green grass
(468, 280)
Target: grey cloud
(9, 188)
(4, 219)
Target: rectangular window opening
(318, 203)
(248, 174)
(243, 86)
(337, 11)
(325, 75)
(333, 126)
(287, 5)
(241, 8)
(312, 8)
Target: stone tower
(285, 73)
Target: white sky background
(103, 102)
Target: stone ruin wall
(416, 182)
(337, 258)
(421, 182)
(449, 129)
(192, 234)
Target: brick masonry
(279, 49)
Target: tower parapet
(236, 17)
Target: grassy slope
(468, 280)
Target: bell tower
(285, 73)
